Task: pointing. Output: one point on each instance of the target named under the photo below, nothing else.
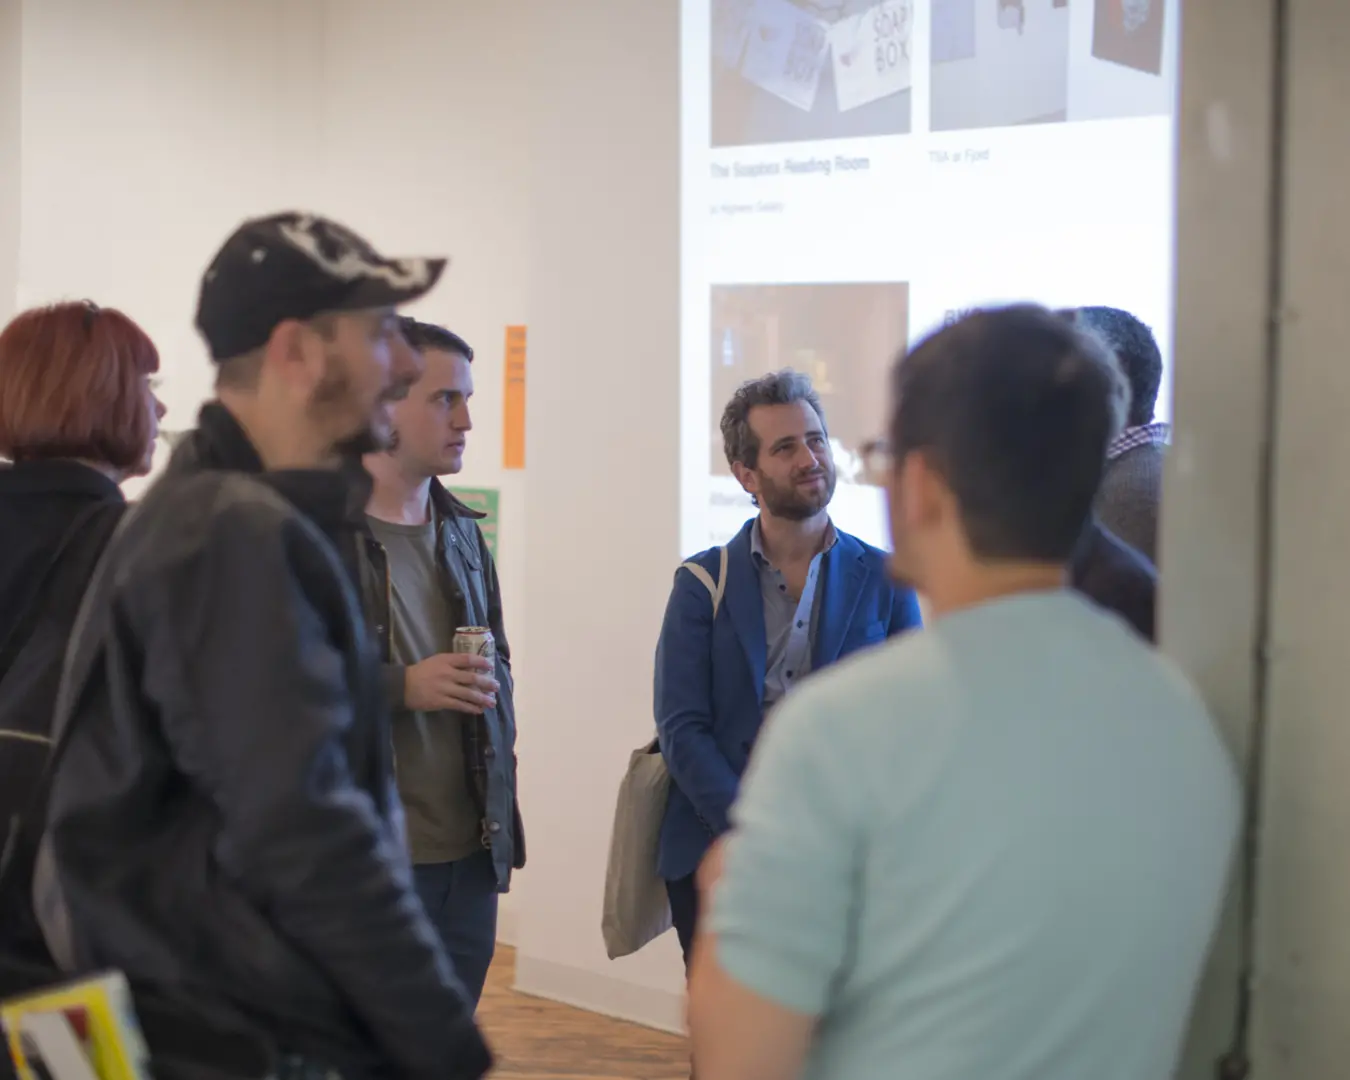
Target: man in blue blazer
(798, 594)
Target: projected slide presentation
(856, 173)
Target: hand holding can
(460, 680)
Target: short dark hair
(1012, 406)
(785, 387)
(241, 372)
(1120, 399)
(423, 335)
(1137, 350)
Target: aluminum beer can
(476, 641)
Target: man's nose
(161, 410)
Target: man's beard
(333, 396)
(361, 444)
(790, 502)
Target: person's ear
(746, 477)
(926, 494)
(293, 353)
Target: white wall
(1013, 77)
(150, 128)
(1212, 556)
(604, 444)
(1302, 948)
(1255, 529)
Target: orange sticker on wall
(513, 420)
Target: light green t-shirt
(996, 847)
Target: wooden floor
(542, 1040)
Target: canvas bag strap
(715, 588)
(64, 701)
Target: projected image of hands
(843, 336)
(801, 70)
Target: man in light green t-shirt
(996, 847)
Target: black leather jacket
(469, 576)
(223, 825)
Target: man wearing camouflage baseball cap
(223, 823)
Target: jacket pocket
(872, 634)
(465, 568)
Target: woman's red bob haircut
(73, 385)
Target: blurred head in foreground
(298, 313)
(998, 435)
(75, 385)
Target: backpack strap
(22, 628)
(715, 588)
(66, 697)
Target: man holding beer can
(431, 589)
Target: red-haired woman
(78, 415)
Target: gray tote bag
(637, 910)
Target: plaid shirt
(1155, 434)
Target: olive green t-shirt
(442, 818)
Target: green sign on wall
(485, 501)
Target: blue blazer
(710, 676)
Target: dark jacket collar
(848, 545)
(57, 478)
(444, 506)
(218, 443)
(332, 497)
(445, 503)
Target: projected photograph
(998, 63)
(807, 70)
(1129, 33)
(1126, 65)
(844, 337)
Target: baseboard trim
(604, 994)
(506, 925)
